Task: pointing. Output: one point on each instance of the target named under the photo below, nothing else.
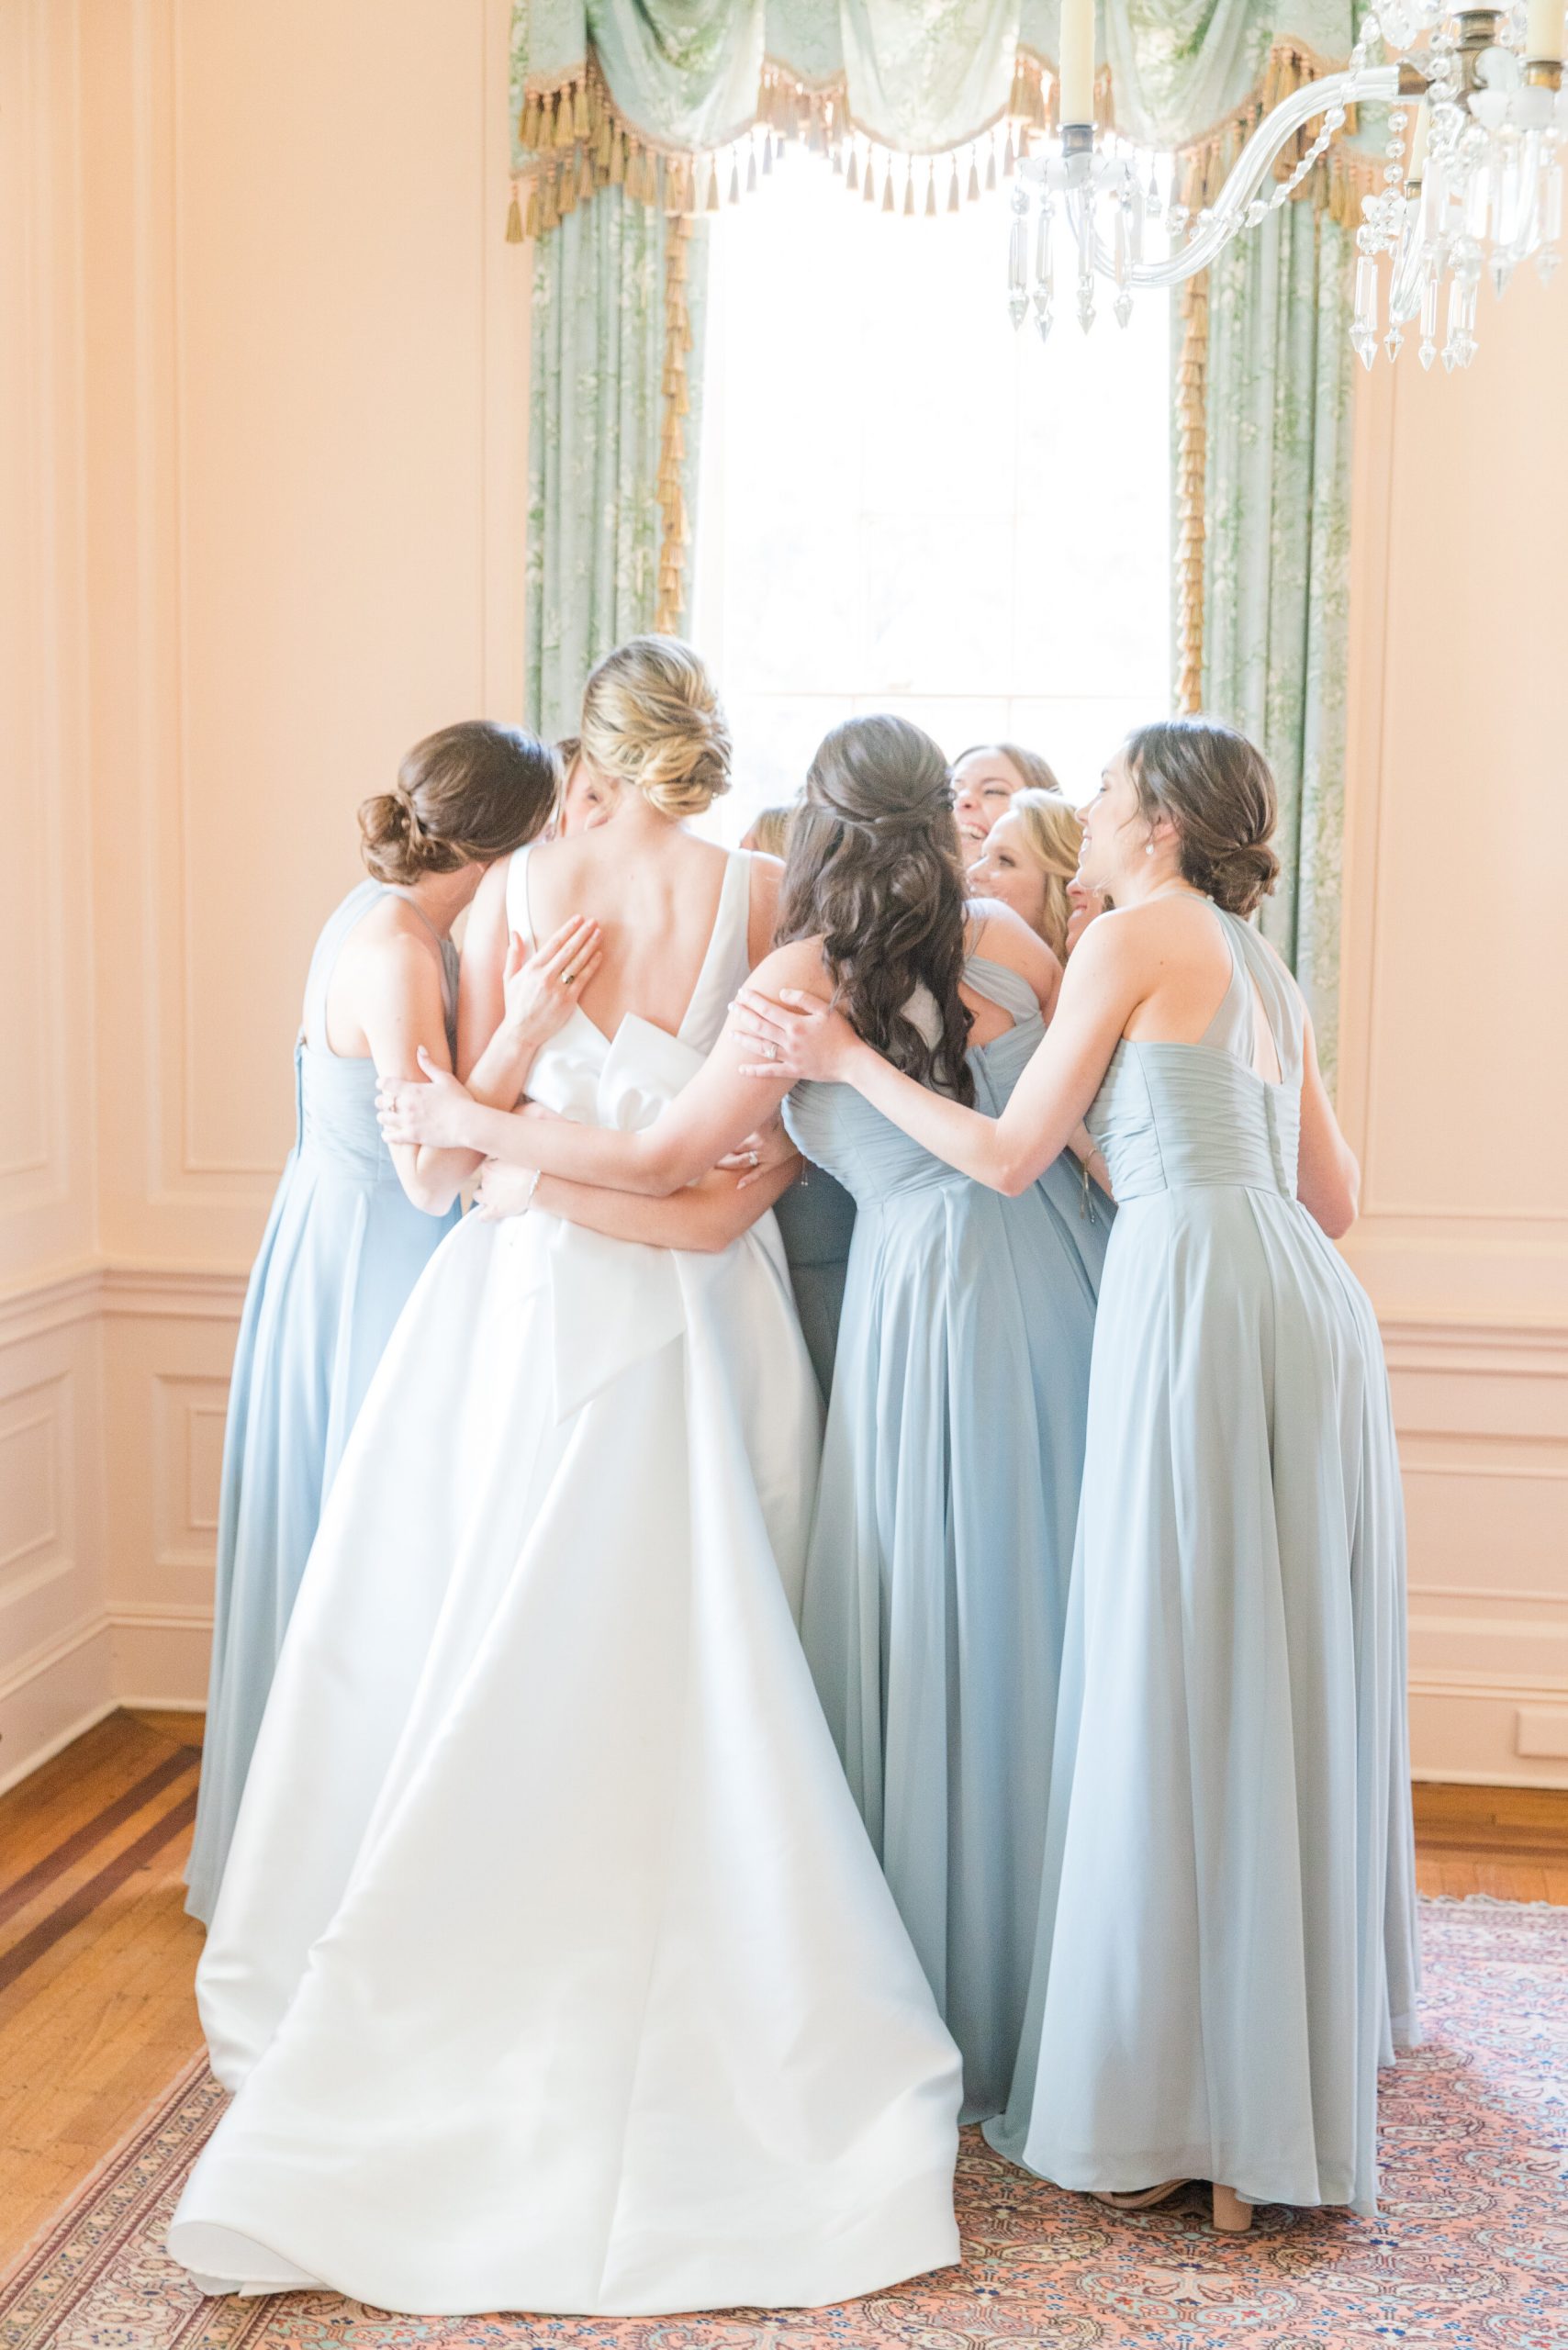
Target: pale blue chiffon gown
(1228, 1946)
(343, 1246)
(936, 1578)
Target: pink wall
(261, 490)
(1454, 1077)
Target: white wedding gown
(552, 1967)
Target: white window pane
(904, 504)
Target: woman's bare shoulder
(798, 964)
(1003, 936)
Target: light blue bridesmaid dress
(937, 1580)
(816, 1223)
(343, 1246)
(1227, 1945)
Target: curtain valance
(660, 96)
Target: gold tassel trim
(674, 526)
(1191, 469)
(581, 142)
(1337, 181)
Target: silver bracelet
(533, 1175)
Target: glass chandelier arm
(1367, 85)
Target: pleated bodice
(1173, 1117)
(837, 1128)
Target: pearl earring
(1148, 848)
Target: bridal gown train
(552, 1967)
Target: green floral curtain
(1276, 556)
(600, 412)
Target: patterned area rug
(1472, 2249)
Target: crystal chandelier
(1475, 187)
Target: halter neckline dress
(1227, 1941)
(343, 1246)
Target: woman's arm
(405, 1028)
(1098, 993)
(708, 1119)
(703, 1219)
(1329, 1181)
(481, 1004)
(403, 1015)
(539, 993)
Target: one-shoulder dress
(343, 1246)
(1228, 1946)
(938, 1574)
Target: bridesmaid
(1029, 863)
(937, 1580)
(1227, 1945)
(985, 778)
(352, 1227)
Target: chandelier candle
(1076, 65)
(1543, 35)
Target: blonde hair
(568, 751)
(769, 830)
(1053, 834)
(652, 718)
(1037, 774)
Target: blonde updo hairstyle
(1218, 791)
(464, 795)
(1053, 834)
(651, 720)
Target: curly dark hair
(874, 868)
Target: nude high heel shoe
(1232, 2217)
(1141, 2198)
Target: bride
(552, 1967)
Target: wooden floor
(96, 1954)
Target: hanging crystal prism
(1044, 264)
(1085, 259)
(1018, 256)
(1122, 306)
(1429, 289)
(1363, 331)
(1548, 254)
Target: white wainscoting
(113, 1387)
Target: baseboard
(165, 1649)
(56, 1744)
(54, 1695)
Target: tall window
(904, 504)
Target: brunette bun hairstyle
(652, 718)
(464, 795)
(1218, 791)
(873, 866)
